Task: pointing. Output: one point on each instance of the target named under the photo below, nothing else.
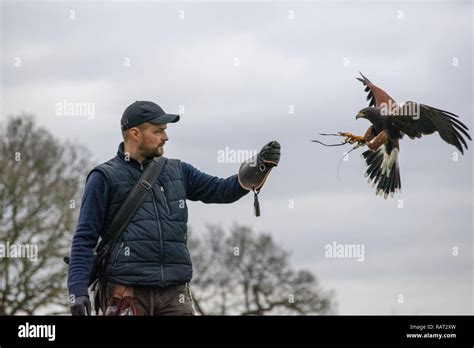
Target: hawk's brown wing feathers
(376, 95)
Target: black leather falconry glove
(254, 172)
(270, 153)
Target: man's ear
(134, 133)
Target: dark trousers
(148, 300)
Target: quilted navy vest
(152, 250)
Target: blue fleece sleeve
(88, 229)
(211, 189)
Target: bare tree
(39, 187)
(245, 273)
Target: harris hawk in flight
(389, 123)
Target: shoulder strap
(133, 201)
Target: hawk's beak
(360, 115)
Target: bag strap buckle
(145, 184)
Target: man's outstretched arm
(211, 189)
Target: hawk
(390, 122)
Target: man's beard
(153, 152)
(160, 151)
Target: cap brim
(166, 118)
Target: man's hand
(270, 153)
(81, 306)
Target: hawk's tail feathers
(383, 170)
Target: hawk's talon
(358, 139)
(351, 138)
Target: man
(149, 269)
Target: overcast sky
(236, 70)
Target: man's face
(151, 140)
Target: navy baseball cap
(145, 111)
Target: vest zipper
(165, 200)
(118, 254)
(161, 238)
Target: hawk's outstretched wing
(428, 120)
(376, 95)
